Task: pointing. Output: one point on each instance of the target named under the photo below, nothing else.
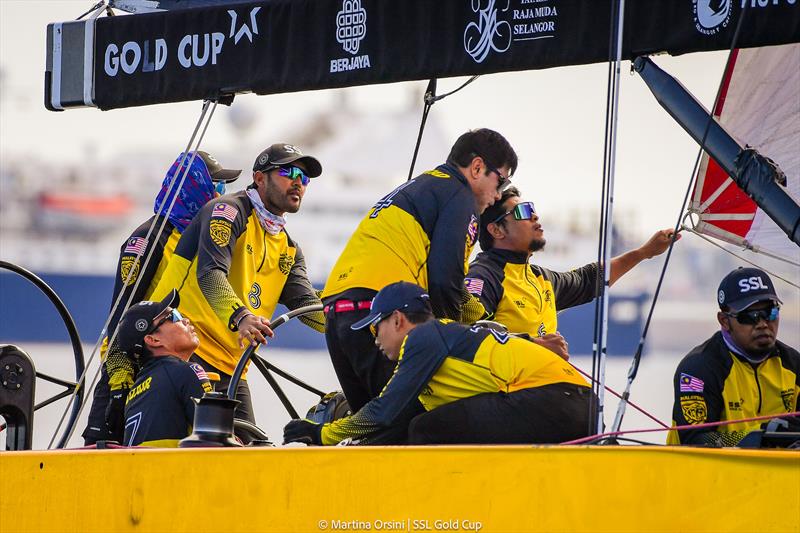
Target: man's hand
(658, 243)
(555, 343)
(303, 431)
(254, 329)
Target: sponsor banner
(282, 45)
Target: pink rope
(615, 393)
(677, 428)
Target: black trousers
(548, 414)
(96, 428)
(245, 409)
(360, 366)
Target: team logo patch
(129, 266)
(694, 409)
(787, 396)
(220, 231)
(474, 286)
(690, 383)
(472, 230)
(141, 324)
(223, 210)
(285, 262)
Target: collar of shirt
(733, 347)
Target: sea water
(652, 389)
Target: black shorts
(549, 414)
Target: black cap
(138, 321)
(401, 295)
(745, 286)
(215, 170)
(283, 154)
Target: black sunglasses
(502, 181)
(753, 317)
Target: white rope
(692, 230)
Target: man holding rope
(742, 371)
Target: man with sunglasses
(192, 180)
(477, 386)
(525, 297)
(159, 410)
(235, 263)
(742, 371)
(423, 233)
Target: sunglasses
(293, 173)
(521, 211)
(502, 181)
(174, 316)
(751, 318)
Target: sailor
(422, 232)
(476, 385)
(742, 371)
(235, 263)
(159, 410)
(205, 179)
(525, 297)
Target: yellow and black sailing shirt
(422, 232)
(441, 362)
(159, 410)
(524, 297)
(160, 246)
(713, 384)
(225, 265)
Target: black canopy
(294, 45)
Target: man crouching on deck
(159, 410)
(477, 386)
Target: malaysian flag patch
(474, 286)
(226, 211)
(199, 371)
(690, 383)
(136, 245)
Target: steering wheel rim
(75, 387)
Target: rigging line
(607, 238)
(590, 438)
(454, 91)
(711, 241)
(637, 357)
(428, 99)
(103, 332)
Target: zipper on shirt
(263, 252)
(758, 384)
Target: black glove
(303, 431)
(115, 414)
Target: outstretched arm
(656, 245)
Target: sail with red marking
(759, 106)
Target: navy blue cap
(402, 295)
(138, 320)
(745, 286)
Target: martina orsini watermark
(406, 524)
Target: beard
(537, 245)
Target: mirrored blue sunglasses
(521, 211)
(293, 173)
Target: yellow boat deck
(496, 488)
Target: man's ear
(724, 321)
(259, 177)
(151, 341)
(496, 231)
(475, 167)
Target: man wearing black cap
(422, 232)
(159, 410)
(194, 179)
(477, 386)
(742, 371)
(235, 263)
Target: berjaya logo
(711, 16)
(193, 51)
(351, 28)
(493, 32)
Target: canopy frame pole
(103, 331)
